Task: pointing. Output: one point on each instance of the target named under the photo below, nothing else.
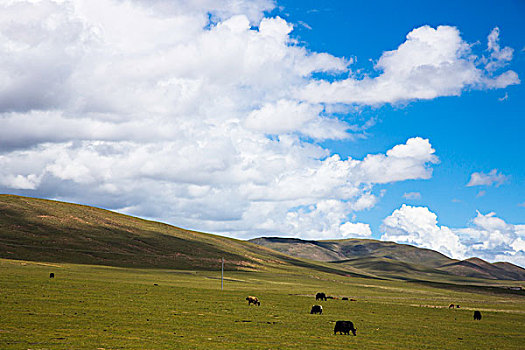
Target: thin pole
(222, 274)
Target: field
(97, 307)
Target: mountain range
(389, 258)
(50, 231)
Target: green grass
(91, 307)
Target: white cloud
(492, 238)
(358, 229)
(499, 57)
(153, 109)
(488, 236)
(402, 162)
(418, 226)
(482, 179)
(430, 63)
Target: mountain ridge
(374, 255)
(51, 231)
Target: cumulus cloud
(358, 229)
(402, 162)
(418, 226)
(492, 178)
(201, 113)
(490, 237)
(487, 237)
(431, 62)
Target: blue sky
(472, 132)
(311, 119)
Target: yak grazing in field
(51, 275)
(344, 327)
(320, 296)
(316, 309)
(477, 315)
(253, 300)
(451, 306)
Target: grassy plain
(97, 307)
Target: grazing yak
(451, 306)
(51, 275)
(477, 315)
(344, 298)
(316, 309)
(320, 296)
(253, 300)
(344, 327)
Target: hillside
(334, 250)
(50, 231)
(475, 267)
(392, 260)
(44, 230)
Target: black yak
(51, 275)
(477, 315)
(253, 300)
(320, 296)
(316, 309)
(344, 327)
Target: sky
(309, 119)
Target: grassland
(98, 307)
(127, 283)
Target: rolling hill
(392, 260)
(50, 231)
(335, 250)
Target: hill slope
(334, 250)
(475, 267)
(44, 230)
(391, 260)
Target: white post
(222, 274)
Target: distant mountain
(333, 250)
(475, 267)
(51, 231)
(389, 259)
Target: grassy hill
(43, 230)
(392, 260)
(334, 250)
(34, 229)
(475, 267)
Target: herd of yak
(343, 327)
